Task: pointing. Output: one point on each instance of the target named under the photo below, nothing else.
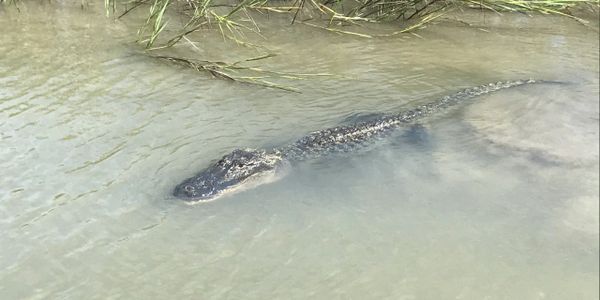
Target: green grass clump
(234, 18)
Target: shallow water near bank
(497, 199)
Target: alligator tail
(455, 99)
(489, 88)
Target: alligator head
(235, 171)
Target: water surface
(495, 200)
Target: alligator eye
(189, 188)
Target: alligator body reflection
(242, 169)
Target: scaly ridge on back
(329, 140)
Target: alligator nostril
(189, 188)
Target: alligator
(246, 168)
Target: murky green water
(497, 200)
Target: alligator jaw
(248, 183)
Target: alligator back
(344, 138)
